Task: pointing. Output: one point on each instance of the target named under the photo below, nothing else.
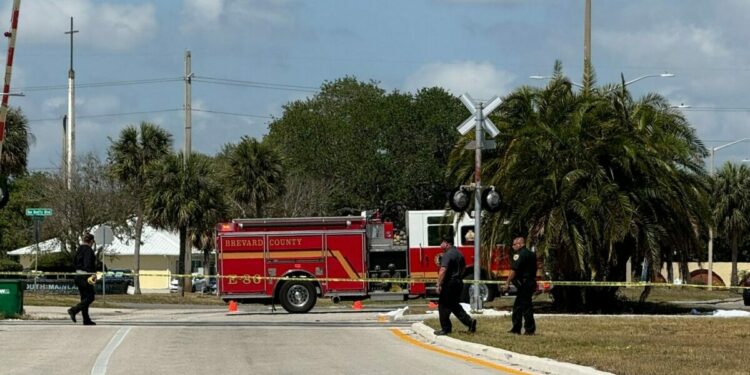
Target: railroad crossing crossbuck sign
(467, 125)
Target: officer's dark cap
(448, 239)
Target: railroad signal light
(459, 199)
(491, 200)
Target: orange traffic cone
(232, 306)
(432, 305)
(357, 305)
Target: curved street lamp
(662, 75)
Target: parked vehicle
(120, 274)
(346, 257)
(199, 284)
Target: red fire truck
(344, 257)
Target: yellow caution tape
(258, 278)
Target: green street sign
(38, 212)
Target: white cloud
(99, 104)
(201, 15)
(55, 104)
(480, 80)
(111, 26)
(471, 2)
(673, 41)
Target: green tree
(185, 197)
(15, 151)
(16, 229)
(731, 201)
(94, 199)
(16, 146)
(131, 157)
(253, 175)
(376, 149)
(592, 179)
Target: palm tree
(731, 201)
(592, 178)
(184, 197)
(131, 157)
(253, 174)
(16, 146)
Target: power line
(231, 113)
(212, 80)
(263, 85)
(109, 115)
(154, 111)
(716, 109)
(100, 84)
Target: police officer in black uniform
(85, 264)
(523, 276)
(449, 286)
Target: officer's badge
(515, 257)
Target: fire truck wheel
(298, 296)
(487, 293)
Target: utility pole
(64, 162)
(587, 40)
(188, 108)
(71, 123)
(187, 149)
(11, 35)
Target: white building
(159, 255)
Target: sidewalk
(122, 314)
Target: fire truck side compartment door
(242, 261)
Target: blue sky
(483, 47)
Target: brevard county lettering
(258, 242)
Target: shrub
(9, 265)
(56, 262)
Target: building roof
(153, 242)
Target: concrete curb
(523, 361)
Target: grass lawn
(627, 345)
(120, 300)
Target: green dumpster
(11, 297)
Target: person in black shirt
(85, 264)
(523, 276)
(449, 286)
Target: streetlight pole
(709, 280)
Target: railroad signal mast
(11, 35)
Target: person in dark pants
(449, 286)
(85, 264)
(523, 276)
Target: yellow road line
(448, 353)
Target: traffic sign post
(479, 121)
(38, 215)
(103, 236)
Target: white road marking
(100, 366)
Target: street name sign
(38, 212)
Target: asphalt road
(210, 341)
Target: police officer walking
(523, 277)
(85, 264)
(450, 285)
